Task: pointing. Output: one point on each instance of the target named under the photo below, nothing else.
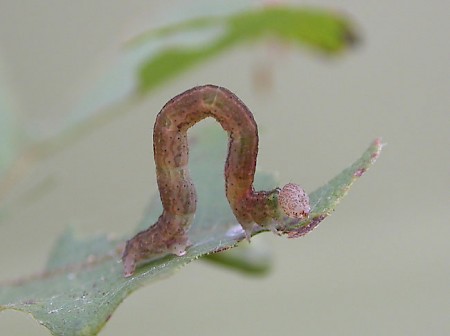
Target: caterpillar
(169, 235)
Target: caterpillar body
(169, 235)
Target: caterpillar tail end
(138, 250)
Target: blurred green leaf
(83, 284)
(251, 259)
(324, 31)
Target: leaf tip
(378, 145)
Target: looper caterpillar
(169, 235)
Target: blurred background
(380, 265)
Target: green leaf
(249, 258)
(325, 199)
(83, 284)
(324, 31)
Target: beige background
(379, 266)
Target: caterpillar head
(294, 201)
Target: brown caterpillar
(169, 235)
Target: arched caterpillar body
(169, 235)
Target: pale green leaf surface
(83, 284)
